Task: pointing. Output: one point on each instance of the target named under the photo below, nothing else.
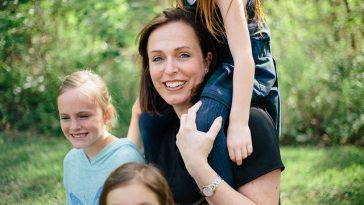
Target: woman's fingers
(215, 128)
(182, 122)
(195, 107)
(191, 115)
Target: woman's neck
(180, 110)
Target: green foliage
(41, 41)
(318, 46)
(320, 52)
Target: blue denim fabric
(265, 89)
(219, 158)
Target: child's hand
(239, 142)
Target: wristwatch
(210, 189)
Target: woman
(177, 56)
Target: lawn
(31, 173)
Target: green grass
(31, 173)
(323, 176)
(31, 170)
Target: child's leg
(265, 92)
(219, 157)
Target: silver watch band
(210, 189)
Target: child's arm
(235, 23)
(133, 132)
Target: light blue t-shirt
(83, 179)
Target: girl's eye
(65, 118)
(84, 116)
(184, 55)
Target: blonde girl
(85, 112)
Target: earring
(206, 71)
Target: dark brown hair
(150, 100)
(146, 174)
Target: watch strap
(211, 187)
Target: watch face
(207, 191)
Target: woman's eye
(84, 116)
(184, 55)
(156, 59)
(65, 118)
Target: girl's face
(82, 120)
(176, 63)
(133, 193)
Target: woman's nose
(171, 67)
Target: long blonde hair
(209, 12)
(91, 85)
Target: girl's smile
(82, 120)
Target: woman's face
(133, 193)
(176, 63)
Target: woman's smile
(174, 85)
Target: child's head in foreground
(134, 184)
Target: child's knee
(207, 115)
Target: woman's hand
(195, 146)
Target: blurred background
(318, 46)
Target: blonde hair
(209, 13)
(91, 85)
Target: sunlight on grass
(323, 176)
(31, 173)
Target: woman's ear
(208, 61)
